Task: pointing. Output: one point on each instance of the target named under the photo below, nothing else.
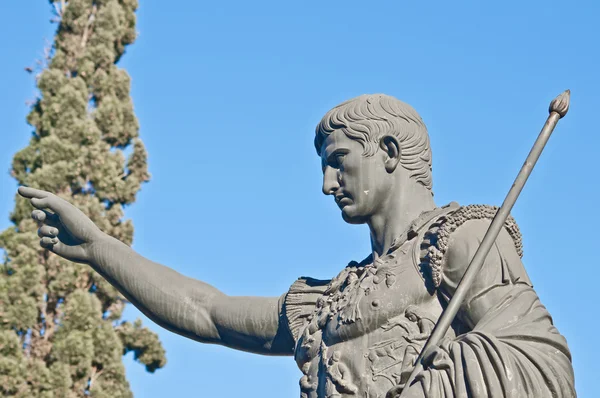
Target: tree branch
(86, 30)
(94, 376)
(58, 10)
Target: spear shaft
(558, 108)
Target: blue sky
(228, 94)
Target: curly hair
(368, 118)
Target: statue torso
(359, 334)
(368, 326)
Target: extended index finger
(30, 193)
(42, 199)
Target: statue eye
(339, 159)
(336, 159)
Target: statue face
(359, 184)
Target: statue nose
(330, 181)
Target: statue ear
(390, 145)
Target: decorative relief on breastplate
(308, 384)
(340, 303)
(394, 357)
(347, 290)
(339, 377)
(450, 223)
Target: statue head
(372, 148)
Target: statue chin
(351, 217)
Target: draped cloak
(513, 351)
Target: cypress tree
(61, 333)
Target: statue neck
(396, 218)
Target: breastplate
(368, 328)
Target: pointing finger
(42, 199)
(50, 201)
(29, 193)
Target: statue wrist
(100, 248)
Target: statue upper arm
(253, 324)
(501, 270)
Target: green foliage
(61, 333)
(143, 343)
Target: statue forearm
(190, 307)
(172, 300)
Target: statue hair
(368, 118)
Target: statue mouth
(342, 201)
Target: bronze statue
(362, 333)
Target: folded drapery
(513, 351)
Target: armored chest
(367, 328)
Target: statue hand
(64, 230)
(395, 392)
(436, 358)
(433, 357)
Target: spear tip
(560, 104)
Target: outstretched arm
(186, 306)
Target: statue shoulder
(307, 295)
(463, 227)
(300, 302)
